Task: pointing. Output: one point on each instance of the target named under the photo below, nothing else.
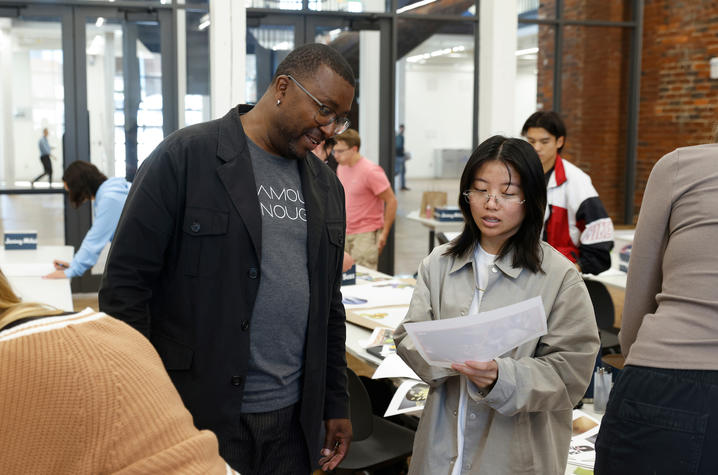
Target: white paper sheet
(394, 367)
(480, 337)
(30, 269)
(379, 294)
(409, 398)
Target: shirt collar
(505, 264)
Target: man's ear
(280, 87)
(560, 141)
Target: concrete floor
(44, 213)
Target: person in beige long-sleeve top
(511, 415)
(87, 394)
(662, 415)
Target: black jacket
(184, 269)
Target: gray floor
(44, 213)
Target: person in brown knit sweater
(86, 393)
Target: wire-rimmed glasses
(473, 196)
(325, 115)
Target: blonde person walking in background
(370, 201)
(84, 393)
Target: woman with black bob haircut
(84, 182)
(512, 414)
(518, 155)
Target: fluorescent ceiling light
(203, 22)
(414, 5)
(452, 52)
(522, 52)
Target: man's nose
(328, 129)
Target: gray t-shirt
(279, 319)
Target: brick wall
(678, 100)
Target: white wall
(525, 98)
(438, 107)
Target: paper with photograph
(480, 337)
(409, 398)
(582, 450)
(387, 293)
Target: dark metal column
(634, 100)
(131, 68)
(387, 112)
(168, 49)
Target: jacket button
(236, 380)
(245, 325)
(341, 239)
(252, 273)
(456, 413)
(195, 227)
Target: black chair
(377, 442)
(605, 315)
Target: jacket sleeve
(421, 310)
(336, 403)
(645, 275)
(557, 375)
(107, 214)
(596, 240)
(137, 254)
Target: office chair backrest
(359, 407)
(602, 304)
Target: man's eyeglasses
(473, 196)
(325, 115)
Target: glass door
(32, 100)
(123, 64)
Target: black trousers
(267, 443)
(660, 421)
(47, 166)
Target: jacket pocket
(204, 236)
(335, 232)
(175, 355)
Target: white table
(434, 225)
(29, 284)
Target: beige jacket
(523, 425)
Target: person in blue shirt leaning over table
(85, 182)
(511, 414)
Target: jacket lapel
(237, 177)
(315, 195)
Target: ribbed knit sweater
(86, 393)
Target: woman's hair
(525, 243)
(82, 180)
(12, 308)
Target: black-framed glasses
(473, 196)
(325, 115)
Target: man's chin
(295, 151)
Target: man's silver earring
(279, 101)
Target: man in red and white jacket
(576, 222)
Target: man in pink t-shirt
(370, 201)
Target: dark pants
(267, 443)
(47, 166)
(660, 421)
(401, 170)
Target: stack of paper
(480, 337)
(582, 451)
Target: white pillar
(369, 53)
(7, 155)
(181, 41)
(497, 74)
(227, 57)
